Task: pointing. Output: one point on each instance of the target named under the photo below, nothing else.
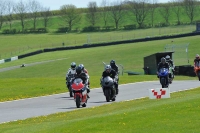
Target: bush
(107, 28)
(9, 31)
(6, 31)
(14, 31)
(42, 30)
(161, 25)
(130, 27)
(91, 28)
(62, 30)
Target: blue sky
(56, 4)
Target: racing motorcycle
(80, 92)
(109, 90)
(69, 79)
(164, 76)
(197, 71)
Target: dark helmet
(163, 60)
(73, 65)
(78, 69)
(82, 66)
(112, 63)
(108, 68)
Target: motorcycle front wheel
(78, 101)
(108, 94)
(162, 81)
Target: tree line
(116, 11)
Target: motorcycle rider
(83, 68)
(171, 63)
(85, 71)
(197, 61)
(115, 67)
(163, 64)
(110, 72)
(71, 71)
(83, 76)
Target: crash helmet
(73, 65)
(197, 56)
(112, 63)
(167, 57)
(82, 66)
(163, 60)
(78, 69)
(108, 68)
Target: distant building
(151, 62)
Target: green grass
(180, 113)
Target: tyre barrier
(9, 59)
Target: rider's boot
(88, 91)
(117, 90)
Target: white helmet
(167, 57)
(108, 68)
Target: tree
(117, 13)
(104, 11)
(92, 15)
(9, 12)
(177, 5)
(70, 15)
(35, 9)
(165, 12)
(190, 8)
(2, 12)
(140, 9)
(45, 13)
(152, 8)
(21, 12)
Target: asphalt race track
(33, 107)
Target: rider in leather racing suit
(86, 71)
(83, 76)
(163, 64)
(70, 71)
(110, 72)
(196, 60)
(115, 67)
(171, 63)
